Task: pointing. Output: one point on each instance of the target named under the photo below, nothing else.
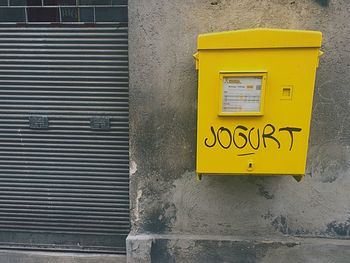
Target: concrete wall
(168, 205)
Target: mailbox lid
(260, 38)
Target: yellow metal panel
(274, 142)
(260, 38)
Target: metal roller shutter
(64, 167)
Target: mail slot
(255, 91)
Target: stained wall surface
(165, 197)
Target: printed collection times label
(241, 94)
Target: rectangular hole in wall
(34, 3)
(95, 2)
(12, 14)
(119, 2)
(86, 14)
(59, 2)
(111, 14)
(18, 2)
(42, 14)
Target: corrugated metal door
(64, 137)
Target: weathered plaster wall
(165, 197)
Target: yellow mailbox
(255, 91)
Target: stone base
(211, 249)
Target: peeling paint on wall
(133, 168)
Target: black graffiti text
(242, 137)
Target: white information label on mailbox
(241, 94)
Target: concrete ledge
(15, 256)
(211, 249)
